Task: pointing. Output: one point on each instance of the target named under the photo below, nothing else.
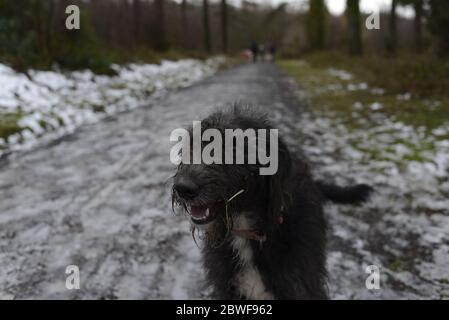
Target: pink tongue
(198, 212)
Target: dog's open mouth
(202, 214)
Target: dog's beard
(209, 232)
(215, 232)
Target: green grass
(424, 76)
(329, 96)
(430, 112)
(9, 124)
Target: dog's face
(209, 193)
(204, 191)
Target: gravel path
(100, 199)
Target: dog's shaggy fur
(267, 242)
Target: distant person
(255, 51)
(273, 53)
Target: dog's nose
(186, 188)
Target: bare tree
(439, 26)
(40, 26)
(158, 28)
(418, 6)
(354, 19)
(184, 23)
(316, 24)
(393, 37)
(206, 27)
(136, 21)
(224, 25)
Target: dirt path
(100, 199)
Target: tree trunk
(354, 19)
(224, 26)
(136, 22)
(184, 23)
(418, 6)
(159, 25)
(49, 24)
(206, 28)
(392, 38)
(40, 27)
(439, 26)
(316, 24)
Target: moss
(60, 121)
(396, 265)
(422, 75)
(329, 94)
(9, 124)
(318, 83)
(98, 108)
(44, 124)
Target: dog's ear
(278, 194)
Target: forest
(33, 33)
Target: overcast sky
(338, 6)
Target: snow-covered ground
(52, 104)
(404, 229)
(100, 199)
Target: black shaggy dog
(264, 235)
